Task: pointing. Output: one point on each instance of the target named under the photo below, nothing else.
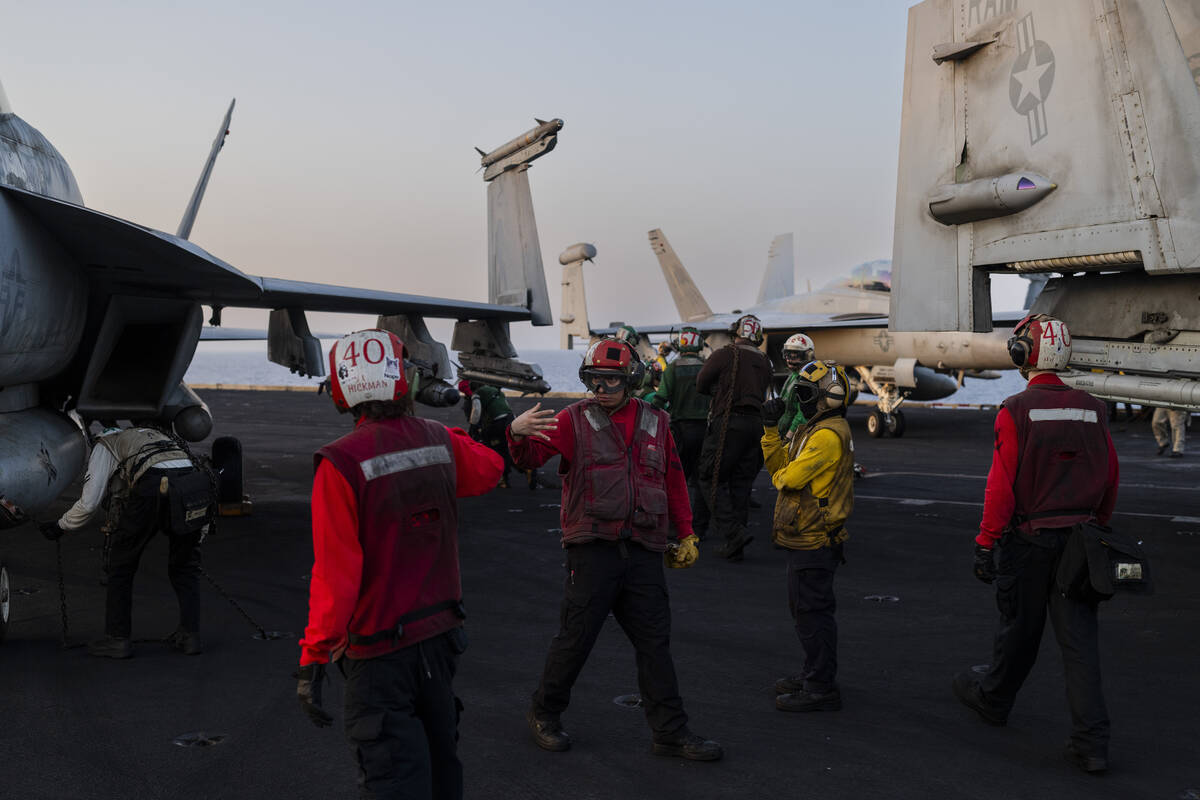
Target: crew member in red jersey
(1053, 467)
(624, 513)
(386, 601)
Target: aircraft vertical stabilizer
(779, 277)
(5, 108)
(690, 304)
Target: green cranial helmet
(629, 335)
(690, 340)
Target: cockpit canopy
(870, 276)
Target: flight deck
(226, 724)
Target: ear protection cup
(1019, 349)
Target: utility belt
(396, 632)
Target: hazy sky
(350, 155)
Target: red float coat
(385, 538)
(621, 476)
(1054, 463)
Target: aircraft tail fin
(5, 108)
(193, 206)
(779, 277)
(516, 276)
(688, 300)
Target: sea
(245, 364)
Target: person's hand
(985, 565)
(534, 422)
(772, 410)
(308, 690)
(683, 554)
(51, 530)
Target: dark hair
(384, 409)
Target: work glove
(308, 690)
(51, 531)
(985, 566)
(682, 554)
(772, 410)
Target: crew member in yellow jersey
(814, 474)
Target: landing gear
(886, 418)
(5, 594)
(875, 423)
(879, 423)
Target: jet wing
(132, 259)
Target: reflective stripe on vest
(403, 477)
(1062, 456)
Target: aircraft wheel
(875, 423)
(5, 602)
(895, 424)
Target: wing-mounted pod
(573, 314)
(488, 356)
(290, 343)
(427, 357)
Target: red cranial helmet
(365, 366)
(1040, 342)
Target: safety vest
(138, 449)
(686, 402)
(804, 521)
(612, 491)
(1062, 456)
(403, 476)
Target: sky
(350, 156)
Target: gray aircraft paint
(779, 278)
(1101, 97)
(847, 320)
(125, 357)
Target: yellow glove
(682, 555)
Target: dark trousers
(1025, 592)
(402, 720)
(813, 605)
(143, 516)
(689, 441)
(627, 580)
(741, 459)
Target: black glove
(308, 690)
(51, 531)
(985, 566)
(772, 411)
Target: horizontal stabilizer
(690, 304)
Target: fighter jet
(847, 320)
(99, 316)
(1060, 139)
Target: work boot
(112, 647)
(1090, 763)
(970, 694)
(735, 544)
(685, 744)
(1162, 448)
(548, 734)
(1176, 454)
(809, 701)
(186, 642)
(503, 481)
(792, 683)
